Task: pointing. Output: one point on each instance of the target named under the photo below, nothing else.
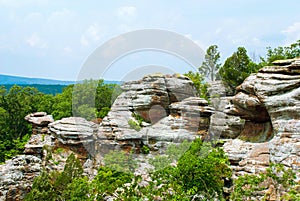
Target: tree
(211, 65)
(199, 83)
(288, 52)
(277, 180)
(14, 130)
(62, 106)
(237, 68)
(56, 185)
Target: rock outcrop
(17, 175)
(222, 124)
(168, 107)
(73, 131)
(40, 133)
(270, 104)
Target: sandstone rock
(247, 157)
(73, 130)
(269, 102)
(39, 121)
(167, 104)
(17, 175)
(224, 125)
(40, 133)
(274, 91)
(39, 118)
(219, 89)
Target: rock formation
(260, 124)
(222, 124)
(17, 175)
(168, 107)
(270, 104)
(40, 133)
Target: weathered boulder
(269, 102)
(272, 95)
(73, 130)
(40, 133)
(166, 105)
(17, 175)
(39, 121)
(222, 124)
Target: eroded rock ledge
(270, 104)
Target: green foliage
(15, 104)
(199, 176)
(62, 106)
(211, 65)
(237, 68)
(145, 149)
(50, 187)
(108, 181)
(134, 125)
(200, 171)
(199, 83)
(103, 112)
(283, 180)
(288, 52)
(203, 169)
(120, 161)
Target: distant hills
(11, 80)
(8, 79)
(47, 86)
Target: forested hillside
(18, 101)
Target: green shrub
(134, 125)
(145, 149)
(281, 178)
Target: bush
(134, 125)
(282, 179)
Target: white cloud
(94, 33)
(35, 41)
(127, 13)
(292, 33)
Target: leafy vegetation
(211, 65)
(237, 68)
(199, 83)
(274, 182)
(287, 52)
(19, 101)
(199, 176)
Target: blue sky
(52, 39)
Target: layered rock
(73, 130)
(168, 106)
(39, 121)
(40, 133)
(222, 124)
(270, 104)
(17, 175)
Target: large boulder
(222, 124)
(73, 130)
(164, 109)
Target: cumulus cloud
(94, 33)
(35, 41)
(292, 32)
(127, 13)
